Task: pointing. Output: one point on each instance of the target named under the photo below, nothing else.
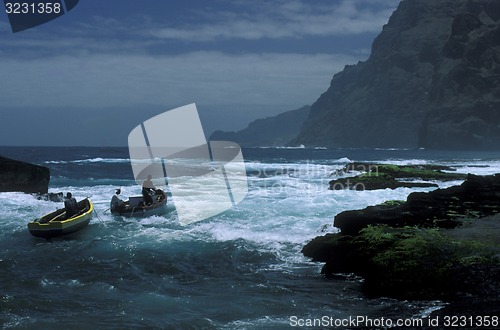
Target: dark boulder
(437, 245)
(23, 177)
(412, 263)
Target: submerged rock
(23, 177)
(52, 197)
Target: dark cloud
(240, 59)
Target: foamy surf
(242, 268)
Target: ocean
(241, 269)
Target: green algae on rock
(444, 208)
(409, 263)
(383, 176)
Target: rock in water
(432, 80)
(437, 245)
(52, 197)
(477, 197)
(23, 177)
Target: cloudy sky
(92, 75)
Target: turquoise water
(242, 269)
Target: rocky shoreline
(442, 244)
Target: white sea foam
(287, 205)
(90, 160)
(405, 162)
(479, 167)
(300, 146)
(343, 160)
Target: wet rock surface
(437, 245)
(383, 176)
(23, 177)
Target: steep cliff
(24, 177)
(432, 80)
(271, 131)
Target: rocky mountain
(432, 80)
(271, 131)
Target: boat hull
(53, 225)
(158, 208)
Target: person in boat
(117, 204)
(70, 205)
(148, 190)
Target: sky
(90, 76)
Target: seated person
(71, 206)
(117, 204)
(148, 190)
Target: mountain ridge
(271, 131)
(432, 80)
